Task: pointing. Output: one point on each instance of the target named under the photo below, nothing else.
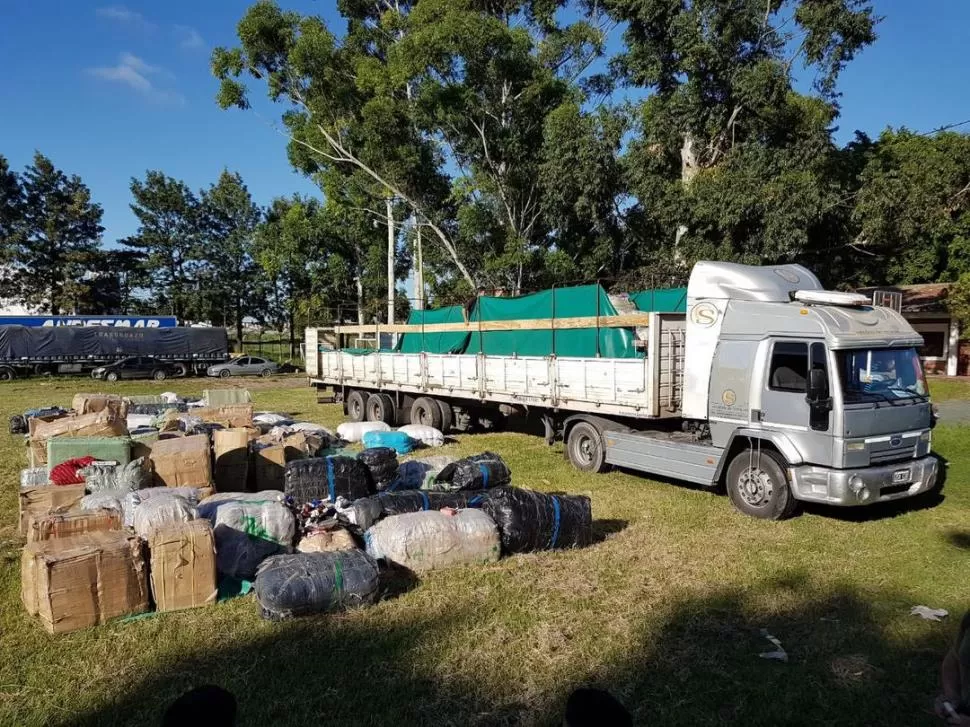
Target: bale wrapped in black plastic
(156, 409)
(529, 521)
(382, 464)
(18, 424)
(326, 478)
(300, 584)
(478, 472)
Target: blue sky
(111, 90)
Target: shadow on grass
(603, 529)
(697, 663)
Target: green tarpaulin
(661, 300)
(434, 342)
(583, 300)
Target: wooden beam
(627, 320)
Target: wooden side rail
(627, 320)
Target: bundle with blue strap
(478, 472)
(529, 521)
(382, 464)
(400, 442)
(326, 478)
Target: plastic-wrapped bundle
(247, 532)
(208, 506)
(424, 541)
(428, 436)
(305, 583)
(326, 478)
(137, 421)
(133, 476)
(105, 500)
(312, 428)
(271, 418)
(529, 521)
(18, 424)
(155, 409)
(381, 462)
(397, 503)
(418, 474)
(160, 511)
(33, 477)
(353, 431)
(477, 472)
(398, 441)
(133, 500)
(326, 540)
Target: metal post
(390, 263)
(553, 319)
(597, 291)
(418, 270)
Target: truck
(68, 349)
(767, 386)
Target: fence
(274, 345)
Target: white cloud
(133, 72)
(191, 39)
(124, 15)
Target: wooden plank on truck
(629, 320)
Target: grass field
(665, 611)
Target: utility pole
(390, 263)
(418, 269)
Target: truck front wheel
(356, 408)
(758, 486)
(584, 447)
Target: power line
(945, 128)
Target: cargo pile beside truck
(134, 504)
(761, 383)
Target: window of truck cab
(790, 363)
(869, 375)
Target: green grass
(944, 388)
(665, 611)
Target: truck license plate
(901, 476)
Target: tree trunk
(689, 165)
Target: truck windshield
(881, 374)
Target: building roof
(921, 298)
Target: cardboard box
(141, 444)
(270, 456)
(230, 416)
(73, 583)
(182, 462)
(105, 449)
(226, 397)
(99, 424)
(231, 450)
(183, 565)
(47, 499)
(70, 524)
(91, 403)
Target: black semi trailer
(79, 349)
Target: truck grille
(897, 454)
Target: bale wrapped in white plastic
(428, 436)
(424, 541)
(270, 418)
(133, 500)
(208, 506)
(311, 427)
(105, 500)
(33, 477)
(354, 431)
(249, 531)
(136, 421)
(161, 511)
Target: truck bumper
(866, 485)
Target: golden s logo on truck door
(704, 314)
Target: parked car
(244, 366)
(135, 367)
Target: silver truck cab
(828, 382)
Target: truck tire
(356, 407)
(447, 415)
(225, 374)
(181, 369)
(426, 411)
(584, 448)
(112, 376)
(757, 485)
(159, 375)
(380, 408)
(7, 374)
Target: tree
(56, 229)
(730, 161)
(228, 221)
(343, 114)
(11, 207)
(168, 235)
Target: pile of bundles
(379, 434)
(120, 518)
(234, 500)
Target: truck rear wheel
(757, 485)
(7, 374)
(584, 448)
(427, 412)
(356, 407)
(380, 408)
(447, 415)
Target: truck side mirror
(818, 387)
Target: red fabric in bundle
(68, 472)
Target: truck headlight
(855, 446)
(856, 485)
(925, 436)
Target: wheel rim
(424, 417)
(355, 408)
(755, 487)
(585, 449)
(5, 376)
(224, 374)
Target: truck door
(784, 402)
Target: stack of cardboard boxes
(81, 568)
